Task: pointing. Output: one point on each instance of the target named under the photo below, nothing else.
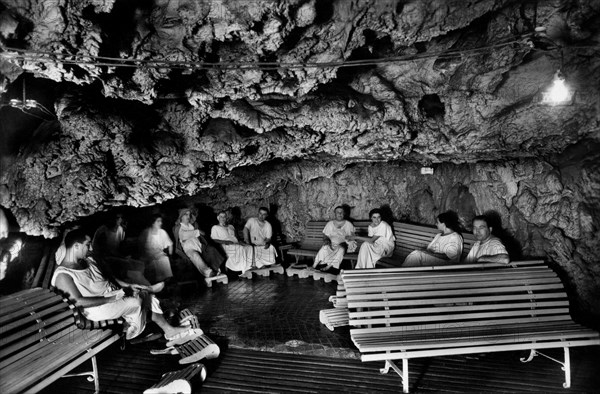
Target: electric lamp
(558, 93)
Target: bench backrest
(313, 236)
(395, 300)
(413, 236)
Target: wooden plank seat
(334, 317)
(40, 340)
(400, 315)
(410, 237)
(313, 240)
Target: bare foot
(157, 287)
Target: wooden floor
(249, 371)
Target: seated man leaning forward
(335, 236)
(380, 242)
(488, 248)
(101, 299)
(258, 233)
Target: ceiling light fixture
(559, 92)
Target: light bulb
(558, 92)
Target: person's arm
(498, 258)
(184, 234)
(247, 236)
(65, 283)
(214, 235)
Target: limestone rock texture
(244, 103)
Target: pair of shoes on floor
(184, 336)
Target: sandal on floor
(184, 337)
(147, 338)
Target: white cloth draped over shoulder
(239, 257)
(152, 251)
(492, 247)
(334, 254)
(450, 245)
(259, 234)
(188, 237)
(371, 252)
(91, 283)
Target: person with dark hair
(108, 237)
(102, 299)
(153, 242)
(488, 248)
(380, 242)
(258, 233)
(335, 236)
(445, 248)
(239, 257)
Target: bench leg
(403, 373)
(92, 376)
(566, 365)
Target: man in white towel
(258, 233)
(488, 248)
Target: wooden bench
(40, 341)
(313, 240)
(338, 315)
(397, 315)
(410, 237)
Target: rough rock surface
(139, 136)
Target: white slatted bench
(400, 316)
(41, 341)
(410, 237)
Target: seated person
(488, 248)
(380, 242)
(239, 257)
(101, 299)
(108, 237)
(153, 242)
(258, 233)
(336, 231)
(445, 248)
(3, 224)
(205, 257)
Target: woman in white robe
(153, 242)
(239, 257)
(335, 236)
(380, 242)
(446, 248)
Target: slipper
(184, 337)
(147, 338)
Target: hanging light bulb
(558, 93)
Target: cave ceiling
(150, 100)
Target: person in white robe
(154, 244)
(239, 257)
(379, 243)
(335, 238)
(258, 233)
(101, 299)
(445, 248)
(488, 248)
(189, 238)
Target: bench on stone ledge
(312, 242)
(44, 337)
(399, 315)
(411, 237)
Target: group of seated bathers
(446, 248)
